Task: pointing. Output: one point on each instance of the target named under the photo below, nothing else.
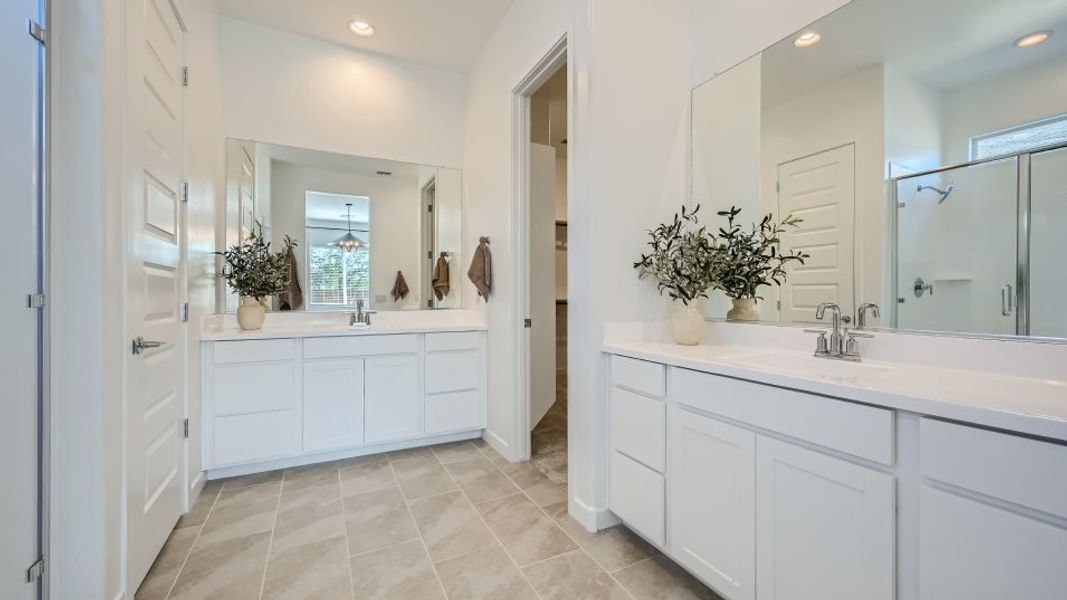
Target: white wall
(292, 90)
(1005, 101)
(394, 220)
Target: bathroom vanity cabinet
(270, 403)
(765, 492)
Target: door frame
(559, 55)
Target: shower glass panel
(957, 244)
(1048, 266)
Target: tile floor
(453, 521)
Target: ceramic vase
(250, 314)
(744, 310)
(687, 323)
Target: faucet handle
(853, 333)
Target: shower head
(943, 192)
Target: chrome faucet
(842, 344)
(861, 316)
(360, 317)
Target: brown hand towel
(292, 298)
(440, 278)
(481, 271)
(400, 288)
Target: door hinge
(779, 306)
(36, 571)
(429, 254)
(185, 428)
(37, 32)
(185, 76)
(183, 312)
(35, 301)
(778, 186)
(429, 208)
(527, 323)
(184, 192)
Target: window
(338, 277)
(1031, 136)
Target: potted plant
(255, 273)
(681, 261)
(746, 260)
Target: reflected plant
(746, 260)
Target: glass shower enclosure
(976, 246)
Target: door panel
(20, 352)
(155, 284)
(394, 407)
(821, 190)
(333, 404)
(1048, 270)
(541, 287)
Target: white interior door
(821, 190)
(19, 228)
(541, 286)
(156, 376)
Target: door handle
(1007, 301)
(139, 345)
(921, 287)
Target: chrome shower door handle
(921, 287)
(1007, 301)
(139, 345)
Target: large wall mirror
(924, 145)
(360, 225)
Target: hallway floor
(548, 441)
(453, 521)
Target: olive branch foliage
(251, 269)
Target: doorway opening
(546, 275)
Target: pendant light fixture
(349, 242)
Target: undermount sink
(811, 366)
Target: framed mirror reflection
(924, 147)
(378, 233)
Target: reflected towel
(293, 297)
(481, 271)
(400, 288)
(440, 278)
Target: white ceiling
(321, 206)
(332, 161)
(446, 34)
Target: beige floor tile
(573, 576)
(377, 519)
(486, 574)
(456, 451)
(422, 476)
(410, 453)
(316, 571)
(495, 457)
(525, 531)
(480, 480)
(480, 443)
(228, 570)
(165, 569)
(540, 489)
(450, 526)
(614, 548)
(201, 506)
(300, 478)
(308, 515)
(400, 572)
(241, 481)
(366, 474)
(660, 579)
(241, 512)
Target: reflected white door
(1048, 270)
(541, 287)
(821, 190)
(18, 322)
(155, 445)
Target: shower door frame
(1022, 234)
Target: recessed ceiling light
(809, 38)
(361, 28)
(1033, 39)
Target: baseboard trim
(498, 444)
(593, 519)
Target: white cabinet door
(394, 408)
(333, 403)
(970, 550)
(713, 503)
(824, 527)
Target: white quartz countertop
(305, 325)
(1029, 406)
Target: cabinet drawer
(639, 375)
(252, 438)
(1012, 468)
(254, 388)
(456, 411)
(452, 371)
(638, 427)
(253, 351)
(863, 431)
(637, 497)
(364, 345)
(453, 340)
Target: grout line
(270, 543)
(344, 523)
(415, 523)
(387, 547)
(199, 531)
